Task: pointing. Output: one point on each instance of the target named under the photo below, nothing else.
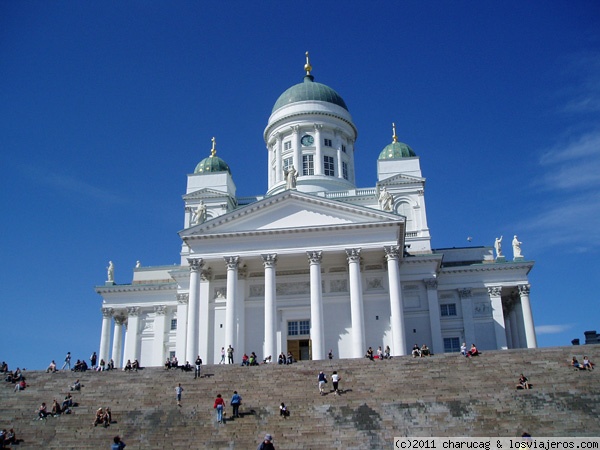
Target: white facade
(320, 266)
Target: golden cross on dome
(394, 137)
(307, 66)
(213, 151)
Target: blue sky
(105, 107)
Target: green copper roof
(212, 164)
(396, 150)
(309, 90)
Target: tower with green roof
(311, 129)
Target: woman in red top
(219, 403)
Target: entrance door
(294, 349)
(305, 350)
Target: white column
(495, 293)
(278, 160)
(519, 328)
(132, 337)
(340, 172)
(240, 347)
(192, 327)
(350, 153)
(230, 308)
(118, 341)
(158, 347)
(356, 303)
(270, 343)
(527, 316)
(318, 150)
(437, 341)
(181, 333)
(107, 314)
(509, 341)
(317, 326)
(297, 158)
(392, 254)
(466, 303)
(204, 316)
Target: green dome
(212, 164)
(396, 150)
(309, 90)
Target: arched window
(404, 208)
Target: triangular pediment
(204, 193)
(401, 179)
(291, 210)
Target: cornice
(324, 228)
(304, 113)
(135, 288)
(491, 267)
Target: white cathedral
(316, 263)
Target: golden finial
(307, 66)
(394, 137)
(213, 151)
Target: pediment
(401, 179)
(204, 193)
(291, 210)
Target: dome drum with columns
(267, 273)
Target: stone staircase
(443, 395)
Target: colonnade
(513, 328)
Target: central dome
(309, 90)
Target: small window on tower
(328, 166)
(287, 145)
(327, 142)
(308, 165)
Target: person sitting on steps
(284, 411)
(523, 382)
(587, 364)
(473, 351)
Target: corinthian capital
(495, 291)
(353, 254)
(315, 257)
(524, 289)
(195, 264)
(232, 262)
(107, 312)
(183, 299)
(464, 292)
(391, 251)
(269, 259)
(431, 283)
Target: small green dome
(396, 150)
(212, 164)
(309, 90)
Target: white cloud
(71, 185)
(552, 329)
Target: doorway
(300, 349)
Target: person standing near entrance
(198, 366)
(230, 354)
(222, 356)
(67, 361)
